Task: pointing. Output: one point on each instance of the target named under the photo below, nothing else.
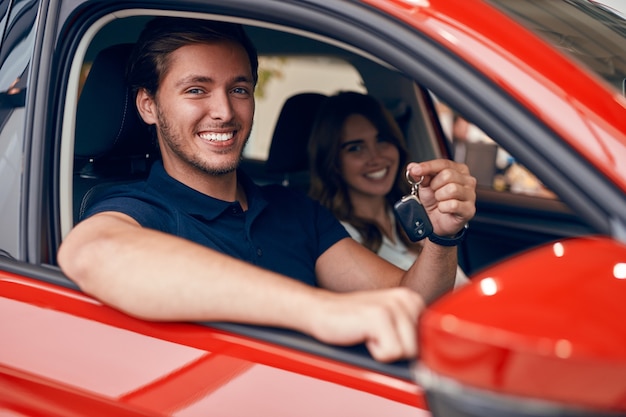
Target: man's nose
(220, 106)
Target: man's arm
(156, 276)
(448, 193)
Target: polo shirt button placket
(259, 252)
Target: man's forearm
(155, 276)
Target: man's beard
(175, 142)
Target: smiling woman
(358, 157)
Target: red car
(539, 87)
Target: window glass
(281, 77)
(491, 165)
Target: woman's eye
(354, 148)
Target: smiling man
(198, 240)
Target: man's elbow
(74, 259)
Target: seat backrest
(112, 144)
(288, 155)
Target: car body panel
(521, 343)
(68, 342)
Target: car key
(411, 214)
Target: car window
(493, 167)
(280, 77)
(291, 64)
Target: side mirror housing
(543, 333)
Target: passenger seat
(288, 155)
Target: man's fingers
(396, 339)
(385, 320)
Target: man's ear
(146, 107)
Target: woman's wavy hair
(327, 184)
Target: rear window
(280, 77)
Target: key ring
(410, 181)
(414, 185)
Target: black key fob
(411, 215)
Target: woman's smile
(377, 175)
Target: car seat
(288, 155)
(112, 144)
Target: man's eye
(240, 90)
(195, 91)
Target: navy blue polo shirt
(282, 230)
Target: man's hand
(385, 320)
(448, 193)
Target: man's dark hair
(149, 60)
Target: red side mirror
(543, 333)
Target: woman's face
(368, 162)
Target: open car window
(294, 63)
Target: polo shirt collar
(196, 203)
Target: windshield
(584, 30)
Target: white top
(397, 253)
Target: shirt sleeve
(329, 230)
(132, 201)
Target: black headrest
(106, 118)
(288, 152)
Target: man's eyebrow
(203, 79)
(244, 79)
(194, 79)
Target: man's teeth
(217, 137)
(377, 174)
